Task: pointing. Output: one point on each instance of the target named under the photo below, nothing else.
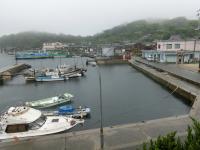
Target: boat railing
(4, 110)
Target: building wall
(108, 51)
(178, 45)
(52, 46)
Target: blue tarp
(66, 109)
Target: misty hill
(32, 39)
(148, 31)
(137, 31)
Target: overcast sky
(86, 17)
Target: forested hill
(32, 39)
(142, 30)
(137, 31)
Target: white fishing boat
(24, 122)
(50, 75)
(52, 101)
(29, 78)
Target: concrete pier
(111, 61)
(8, 72)
(123, 137)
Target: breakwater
(7, 73)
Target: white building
(172, 51)
(108, 51)
(53, 46)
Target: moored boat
(70, 111)
(52, 101)
(32, 55)
(24, 122)
(50, 75)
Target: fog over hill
(136, 31)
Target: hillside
(32, 39)
(148, 31)
(137, 31)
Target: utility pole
(198, 28)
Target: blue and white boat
(50, 75)
(32, 55)
(47, 78)
(70, 111)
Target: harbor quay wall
(8, 72)
(186, 93)
(173, 74)
(111, 61)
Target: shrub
(172, 142)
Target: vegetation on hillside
(32, 39)
(137, 31)
(148, 31)
(171, 142)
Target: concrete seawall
(111, 61)
(150, 64)
(121, 137)
(7, 73)
(160, 77)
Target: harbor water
(128, 95)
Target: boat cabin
(21, 119)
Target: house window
(169, 46)
(177, 46)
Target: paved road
(174, 69)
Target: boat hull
(44, 79)
(65, 123)
(50, 102)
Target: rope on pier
(171, 92)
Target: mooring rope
(171, 92)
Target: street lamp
(100, 99)
(101, 112)
(198, 28)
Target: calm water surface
(128, 95)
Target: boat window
(17, 128)
(61, 97)
(54, 120)
(37, 123)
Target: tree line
(137, 31)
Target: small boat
(25, 122)
(29, 78)
(70, 111)
(52, 101)
(50, 75)
(50, 78)
(71, 72)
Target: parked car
(150, 58)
